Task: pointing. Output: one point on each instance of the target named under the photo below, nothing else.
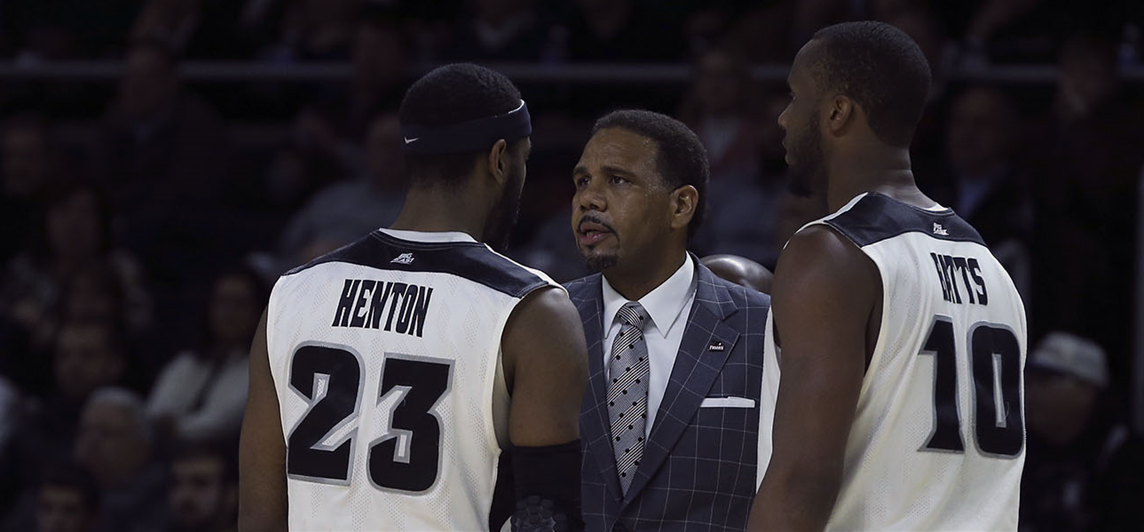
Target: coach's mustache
(590, 218)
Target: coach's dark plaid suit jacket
(698, 467)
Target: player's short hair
(681, 158)
(881, 68)
(452, 94)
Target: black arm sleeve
(547, 482)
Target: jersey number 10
(995, 364)
(410, 468)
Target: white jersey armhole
(500, 403)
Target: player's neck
(637, 280)
(436, 211)
(880, 169)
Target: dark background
(162, 161)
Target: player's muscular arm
(545, 360)
(262, 451)
(825, 290)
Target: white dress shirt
(668, 306)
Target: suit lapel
(594, 424)
(694, 372)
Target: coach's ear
(684, 201)
(498, 161)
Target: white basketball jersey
(385, 356)
(938, 440)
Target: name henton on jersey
(363, 301)
(948, 268)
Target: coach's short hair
(452, 94)
(879, 67)
(681, 158)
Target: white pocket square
(727, 402)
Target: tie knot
(633, 314)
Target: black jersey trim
(470, 260)
(877, 217)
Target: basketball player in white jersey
(900, 401)
(388, 377)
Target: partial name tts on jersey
(951, 269)
(363, 304)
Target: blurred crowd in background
(144, 219)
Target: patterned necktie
(627, 392)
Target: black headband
(474, 135)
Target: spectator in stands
(88, 356)
(983, 178)
(64, 498)
(195, 28)
(548, 244)
(720, 110)
(621, 30)
(203, 495)
(96, 293)
(1087, 167)
(381, 57)
(328, 134)
(348, 210)
(926, 30)
(1000, 30)
(499, 30)
(771, 32)
(746, 209)
(315, 30)
(201, 394)
(173, 22)
(762, 34)
(162, 155)
(1082, 470)
(73, 241)
(795, 212)
(67, 500)
(116, 443)
(160, 141)
(325, 143)
(56, 30)
(25, 173)
(706, 26)
(290, 178)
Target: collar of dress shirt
(664, 304)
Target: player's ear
(498, 161)
(840, 113)
(684, 201)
